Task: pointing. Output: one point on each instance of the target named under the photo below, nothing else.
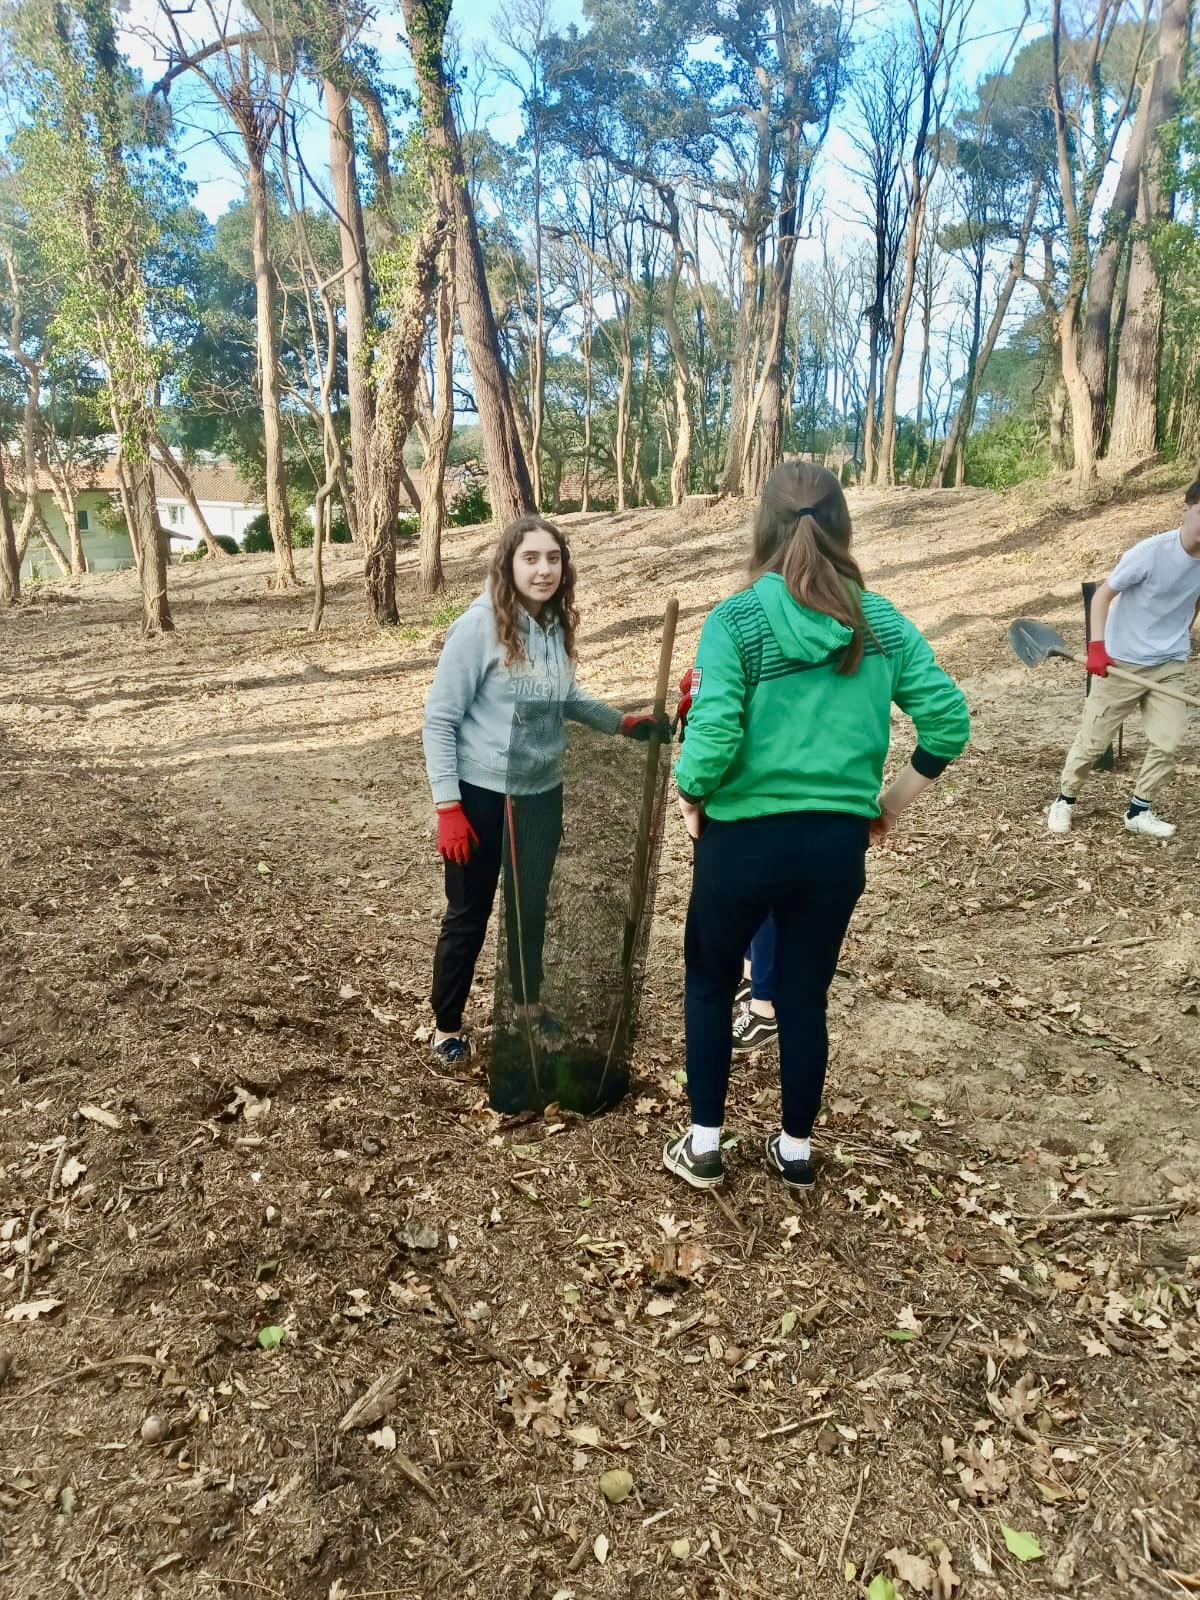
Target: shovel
(1033, 642)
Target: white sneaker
(1149, 825)
(1058, 819)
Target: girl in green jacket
(779, 785)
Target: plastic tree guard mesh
(574, 927)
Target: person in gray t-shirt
(1142, 617)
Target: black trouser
(807, 869)
(471, 893)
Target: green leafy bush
(1006, 452)
(471, 506)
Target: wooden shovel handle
(1159, 688)
(1135, 677)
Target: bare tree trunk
(397, 365)
(148, 540)
(10, 562)
(179, 477)
(741, 379)
(439, 433)
(356, 289)
(624, 390)
(1134, 433)
(1096, 330)
(1058, 419)
(885, 467)
(964, 417)
(508, 471)
(278, 512)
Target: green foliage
(1007, 451)
(256, 537)
(472, 506)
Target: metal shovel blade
(1033, 642)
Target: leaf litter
(495, 1335)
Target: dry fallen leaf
(616, 1485)
(600, 1548)
(659, 1305)
(384, 1439)
(30, 1310)
(916, 1571)
(106, 1119)
(72, 1170)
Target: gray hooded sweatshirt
(497, 726)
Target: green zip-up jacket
(773, 727)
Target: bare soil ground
(218, 899)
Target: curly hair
(802, 532)
(505, 599)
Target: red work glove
(1098, 659)
(683, 709)
(456, 837)
(645, 728)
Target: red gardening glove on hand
(645, 728)
(1098, 659)
(683, 709)
(456, 837)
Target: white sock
(705, 1140)
(794, 1149)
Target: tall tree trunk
(278, 512)
(624, 393)
(148, 539)
(1135, 410)
(508, 471)
(1058, 419)
(397, 365)
(439, 431)
(356, 289)
(10, 562)
(178, 475)
(964, 417)
(741, 381)
(885, 466)
(763, 446)
(1096, 330)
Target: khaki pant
(1109, 704)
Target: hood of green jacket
(801, 634)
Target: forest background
(616, 254)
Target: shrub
(1006, 452)
(257, 535)
(471, 506)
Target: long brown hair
(802, 532)
(505, 599)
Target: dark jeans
(761, 955)
(471, 893)
(807, 869)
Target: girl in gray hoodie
(494, 738)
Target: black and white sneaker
(453, 1052)
(751, 1032)
(796, 1174)
(702, 1172)
(742, 997)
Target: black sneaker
(742, 997)
(751, 1032)
(453, 1052)
(702, 1172)
(796, 1174)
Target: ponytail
(802, 532)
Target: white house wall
(222, 516)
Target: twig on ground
(794, 1427)
(1105, 1214)
(27, 1275)
(92, 1371)
(841, 1560)
(1099, 944)
(58, 1166)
